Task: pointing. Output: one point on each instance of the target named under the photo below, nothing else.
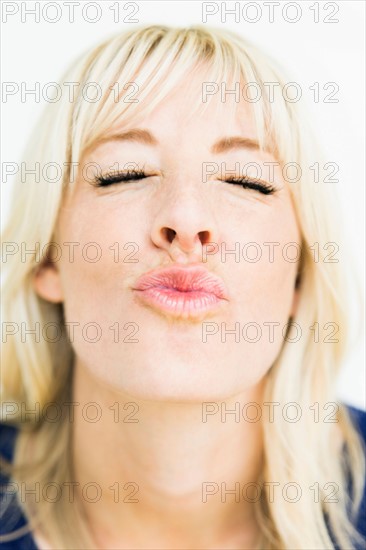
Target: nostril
(204, 237)
(170, 234)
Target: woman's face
(168, 219)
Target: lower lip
(178, 303)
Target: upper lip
(184, 279)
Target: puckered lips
(181, 291)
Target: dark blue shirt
(15, 519)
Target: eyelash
(135, 175)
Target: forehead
(217, 116)
(197, 109)
(194, 111)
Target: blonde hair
(156, 59)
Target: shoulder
(358, 417)
(12, 516)
(7, 439)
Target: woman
(182, 371)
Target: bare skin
(170, 453)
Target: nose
(184, 224)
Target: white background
(310, 52)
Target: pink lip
(181, 291)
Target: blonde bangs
(137, 71)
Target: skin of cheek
(155, 357)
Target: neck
(166, 466)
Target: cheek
(262, 275)
(270, 251)
(101, 251)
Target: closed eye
(118, 177)
(136, 175)
(257, 185)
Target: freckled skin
(171, 370)
(170, 360)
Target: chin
(193, 385)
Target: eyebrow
(221, 146)
(235, 142)
(139, 135)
